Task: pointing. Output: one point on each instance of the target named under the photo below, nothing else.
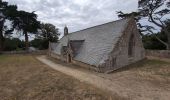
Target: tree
(155, 11)
(11, 44)
(149, 40)
(49, 32)
(41, 44)
(125, 15)
(7, 12)
(28, 24)
(136, 16)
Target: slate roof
(76, 45)
(99, 41)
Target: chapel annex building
(103, 48)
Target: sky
(76, 14)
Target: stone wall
(158, 53)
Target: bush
(13, 44)
(41, 44)
(150, 41)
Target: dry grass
(152, 70)
(25, 78)
(148, 79)
(152, 66)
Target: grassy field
(150, 67)
(25, 78)
(148, 79)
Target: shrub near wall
(158, 53)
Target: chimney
(65, 31)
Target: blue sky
(76, 14)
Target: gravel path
(138, 91)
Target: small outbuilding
(103, 48)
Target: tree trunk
(1, 36)
(164, 43)
(1, 41)
(161, 41)
(26, 41)
(168, 37)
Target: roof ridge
(99, 25)
(95, 26)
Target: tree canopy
(156, 12)
(27, 22)
(48, 31)
(7, 12)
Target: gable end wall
(119, 56)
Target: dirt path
(125, 86)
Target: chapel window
(131, 46)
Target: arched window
(131, 46)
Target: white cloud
(77, 14)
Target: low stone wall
(38, 52)
(158, 53)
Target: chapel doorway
(69, 58)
